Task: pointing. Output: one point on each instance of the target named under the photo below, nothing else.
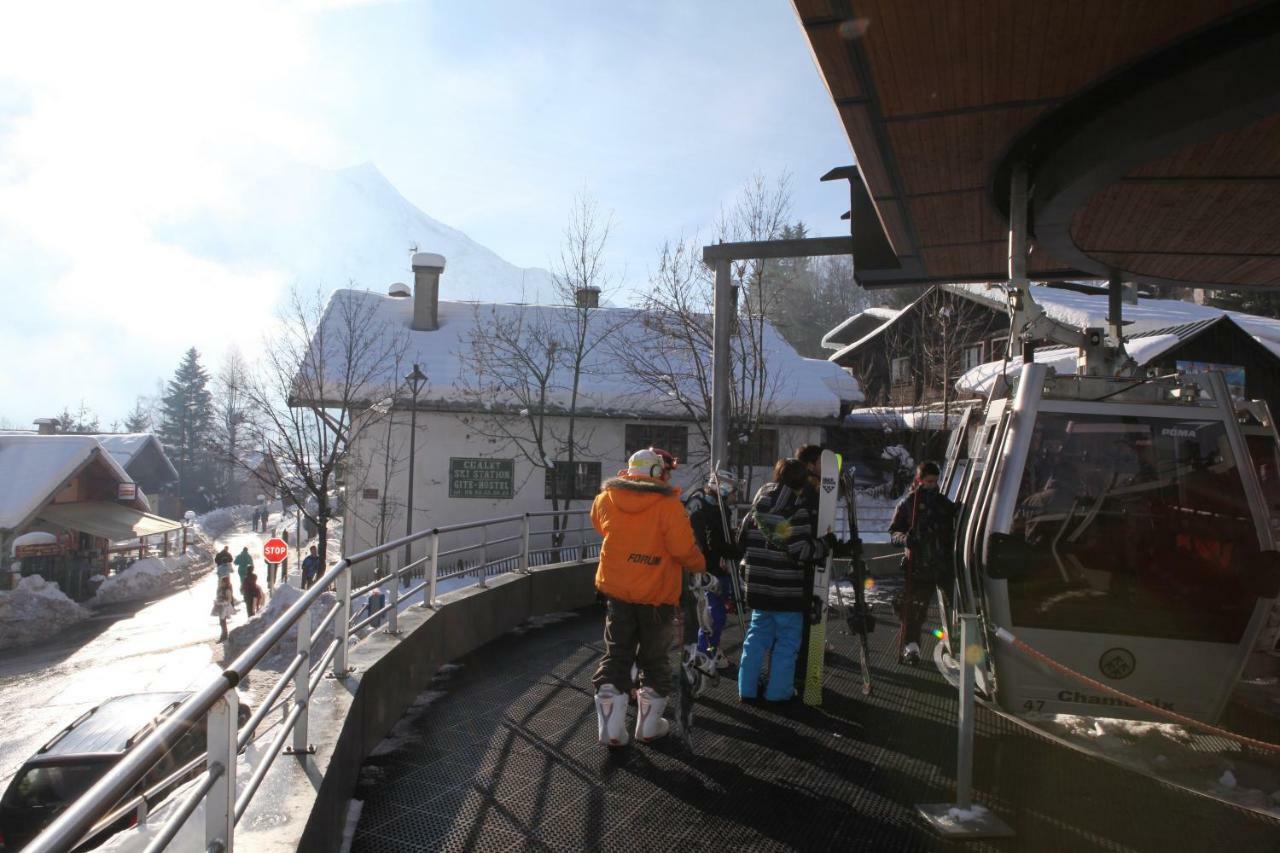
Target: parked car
(83, 752)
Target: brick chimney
(46, 426)
(427, 268)
(587, 297)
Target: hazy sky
(117, 119)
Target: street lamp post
(416, 380)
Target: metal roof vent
(399, 290)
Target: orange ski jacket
(648, 541)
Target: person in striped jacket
(780, 547)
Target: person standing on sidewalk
(923, 524)
(244, 566)
(310, 568)
(224, 604)
(648, 545)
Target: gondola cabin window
(1133, 525)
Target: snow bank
(34, 611)
(152, 577)
(278, 657)
(218, 521)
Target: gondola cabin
(1119, 526)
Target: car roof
(109, 727)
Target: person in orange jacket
(648, 545)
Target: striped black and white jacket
(780, 547)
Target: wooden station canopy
(1149, 129)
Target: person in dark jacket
(780, 545)
(310, 568)
(923, 524)
(222, 562)
(704, 508)
(251, 592)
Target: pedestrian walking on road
(780, 546)
(648, 545)
(244, 565)
(310, 568)
(252, 593)
(224, 604)
(923, 524)
(222, 562)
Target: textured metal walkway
(506, 759)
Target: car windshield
(1136, 526)
(37, 787)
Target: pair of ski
(859, 622)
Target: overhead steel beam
(808, 247)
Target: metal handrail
(104, 796)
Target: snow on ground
(34, 611)
(278, 657)
(153, 577)
(1171, 752)
(405, 732)
(540, 622)
(216, 522)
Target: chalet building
(916, 356)
(466, 467)
(918, 365)
(143, 458)
(69, 506)
(257, 473)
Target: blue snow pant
(779, 633)
(715, 603)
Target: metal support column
(963, 819)
(722, 329)
(220, 802)
(343, 632)
(433, 566)
(1017, 244)
(524, 545)
(302, 686)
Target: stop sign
(275, 551)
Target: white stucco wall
(442, 436)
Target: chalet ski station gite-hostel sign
(481, 478)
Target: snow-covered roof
(125, 447)
(890, 317)
(33, 467)
(1080, 310)
(1143, 349)
(857, 326)
(930, 417)
(800, 387)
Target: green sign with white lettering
(482, 478)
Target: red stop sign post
(275, 551)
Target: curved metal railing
(122, 790)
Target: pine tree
(185, 429)
(80, 422)
(139, 417)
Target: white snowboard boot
(649, 708)
(611, 716)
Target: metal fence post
(484, 555)
(964, 747)
(393, 614)
(220, 802)
(302, 685)
(340, 668)
(434, 569)
(963, 819)
(524, 544)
